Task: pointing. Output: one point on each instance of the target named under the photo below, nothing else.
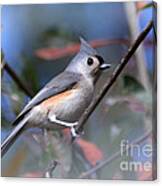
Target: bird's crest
(86, 48)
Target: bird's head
(87, 62)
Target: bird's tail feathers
(13, 136)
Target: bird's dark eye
(90, 61)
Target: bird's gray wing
(60, 83)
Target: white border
(55, 182)
(60, 1)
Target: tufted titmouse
(62, 101)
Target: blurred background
(38, 41)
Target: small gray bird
(63, 100)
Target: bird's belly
(68, 109)
(38, 116)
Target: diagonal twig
(115, 156)
(50, 169)
(17, 80)
(114, 76)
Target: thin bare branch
(113, 77)
(51, 167)
(17, 80)
(115, 156)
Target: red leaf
(145, 175)
(91, 152)
(55, 53)
(140, 5)
(35, 174)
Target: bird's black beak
(104, 66)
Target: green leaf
(131, 85)
(29, 73)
